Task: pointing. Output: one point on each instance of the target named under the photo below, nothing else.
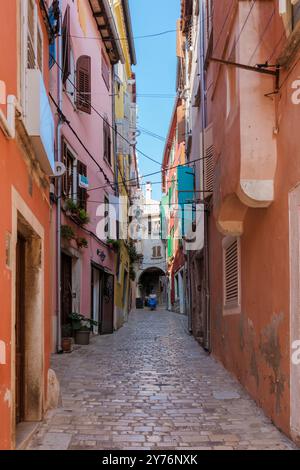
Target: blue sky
(156, 73)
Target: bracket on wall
(259, 68)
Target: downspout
(188, 263)
(59, 187)
(207, 339)
(114, 125)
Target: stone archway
(152, 280)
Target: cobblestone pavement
(151, 386)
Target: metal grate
(231, 274)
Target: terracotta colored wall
(14, 172)
(255, 344)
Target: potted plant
(114, 244)
(71, 206)
(66, 340)
(82, 327)
(67, 232)
(82, 242)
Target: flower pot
(66, 344)
(82, 337)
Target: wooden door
(107, 317)
(20, 328)
(96, 297)
(66, 288)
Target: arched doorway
(152, 280)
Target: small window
(156, 252)
(66, 46)
(68, 186)
(149, 224)
(34, 38)
(83, 84)
(105, 71)
(31, 35)
(106, 141)
(70, 83)
(231, 273)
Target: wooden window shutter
(208, 162)
(81, 192)
(65, 176)
(66, 46)
(232, 273)
(31, 35)
(83, 84)
(39, 50)
(106, 141)
(105, 71)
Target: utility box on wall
(39, 120)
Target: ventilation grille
(231, 274)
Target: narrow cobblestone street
(151, 386)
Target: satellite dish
(59, 169)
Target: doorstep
(24, 432)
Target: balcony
(39, 120)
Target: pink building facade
(84, 103)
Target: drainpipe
(114, 125)
(207, 339)
(59, 187)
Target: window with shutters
(106, 215)
(69, 189)
(33, 36)
(105, 71)
(83, 84)
(81, 192)
(66, 46)
(208, 162)
(70, 83)
(156, 252)
(107, 141)
(231, 275)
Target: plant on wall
(114, 244)
(67, 232)
(71, 206)
(132, 253)
(77, 213)
(132, 273)
(82, 242)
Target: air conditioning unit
(39, 121)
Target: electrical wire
(145, 36)
(244, 25)
(104, 119)
(265, 29)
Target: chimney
(148, 191)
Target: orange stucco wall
(255, 344)
(15, 172)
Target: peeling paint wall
(255, 344)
